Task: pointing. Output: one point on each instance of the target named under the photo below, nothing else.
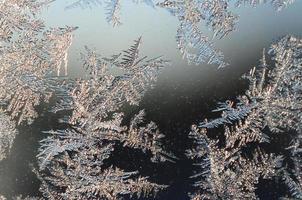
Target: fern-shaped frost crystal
(74, 156)
(28, 61)
(224, 175)
(195, 46)
(8, 133)
(272, 104)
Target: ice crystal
(71, 160)
(8, 133)
(273, 99)
(226, 175)
(271, 104)
(88, 181)
(20, 197)
(30, 54)
(195, 46)
(107, 92)
(113, 12)
(277, 4)
(293, 178)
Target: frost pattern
(134, 75)
(277, 4)
(193, 44)
(225, 174)
(71, 160)
(30, 54)
(8, 133)
(293, 177)
(20, 197)
(273, 105)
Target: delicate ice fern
(107, 92)
(273, 99)
(29, 60)
(113, 12)
(88, 181)
(17, 16)
(74, 163)
(8, 133)
(277, 4)
(27, 72)
(272, 103)
(229, 113)
(293, 176)
(192, 43)
(228, 176)
(74, 157)
(20, 197)
(197, 48)
(194, 46)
